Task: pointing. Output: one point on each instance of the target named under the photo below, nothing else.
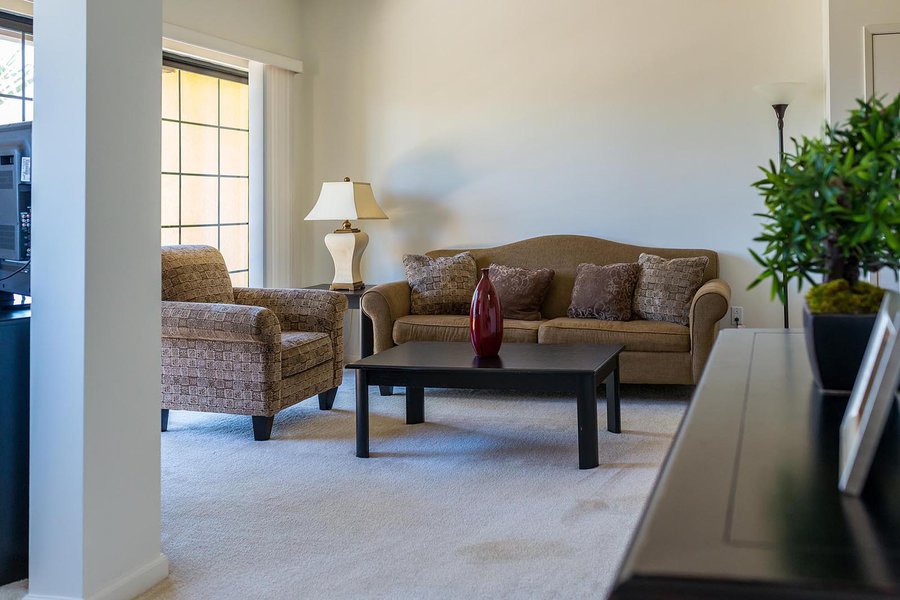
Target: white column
(279, 182)
(95, 489)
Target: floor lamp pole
(780, 109)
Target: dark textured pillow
(666, 288)
(440, 286)
(521, 291)
(604, 291)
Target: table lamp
(345, 201)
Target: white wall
(481, 123)
(95, 396)
(265, 24)
(845, 50)
(845, 60)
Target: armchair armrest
(220, 322)
(384, 304)
(709, 305)
(318, 311)
(298, 310)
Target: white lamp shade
(783, 92)
(345, 201)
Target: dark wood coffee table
(526, 367)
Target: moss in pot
(832, 209)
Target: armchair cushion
(195, 274)
(222, 322)
(301, 350)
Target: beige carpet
(485, 500)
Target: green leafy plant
(833, 206)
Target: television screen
(15, 211)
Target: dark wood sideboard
(747, 504)
(14, 400)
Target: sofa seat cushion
(302, 350)
(636, 336)
(455, 328)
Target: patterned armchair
(240, 350)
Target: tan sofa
(655, 352)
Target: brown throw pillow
(666, 288)
(603, 291)
(440, 286)
(521, 291)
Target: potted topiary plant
(833, 209)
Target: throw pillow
(521, 291)
(604, 291)
(666, 287)
(440, 286)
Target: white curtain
(279, 180)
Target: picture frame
(870, 402)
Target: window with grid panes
(205, 160)
(16, 69)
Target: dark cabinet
(747, 505)
(14, 351)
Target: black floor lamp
(780, 95)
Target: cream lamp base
(346, 250)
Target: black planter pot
(836, 344)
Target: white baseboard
(137, 582)
(127, 586)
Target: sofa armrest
(384, 304)
(220, 322)
(709, 305)
(298, 310)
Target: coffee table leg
(362, 414)
(588, 451)
(613, 418)
(415, 405)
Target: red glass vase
(486, 318)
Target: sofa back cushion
(521, 291)
(440, 286)
(563, 254)
(604, 291)
(665, 288)
(195, 274)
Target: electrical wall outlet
(737, 316)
